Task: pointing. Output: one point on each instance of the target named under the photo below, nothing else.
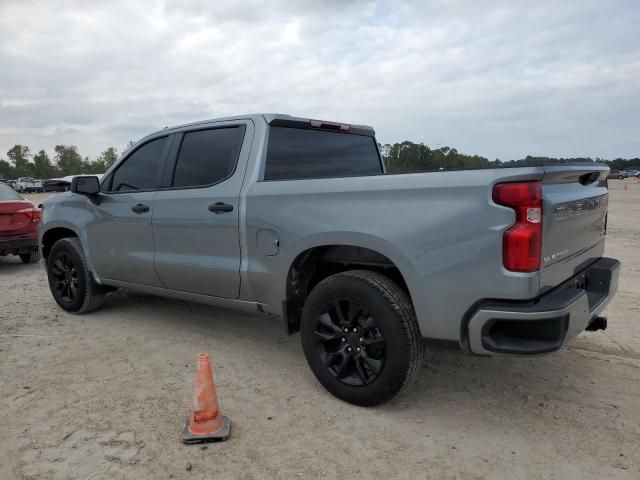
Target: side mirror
(85, 185)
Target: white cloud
(501, 79)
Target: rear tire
(361, 337)
(70, 281)
(32, 257)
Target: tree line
(398, 157)
(417, 157)
(66, 161)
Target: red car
(19, 223)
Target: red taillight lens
(35, 214)
(522, 243)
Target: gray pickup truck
(298, 218)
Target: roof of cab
(269, 118)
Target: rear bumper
(18, 245)
(543, 325)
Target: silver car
(619, 174)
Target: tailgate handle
(588, 178)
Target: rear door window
(207, 157)
(298, 153)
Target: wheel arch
(317, 261)
(52, 235)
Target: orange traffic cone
(206, 423)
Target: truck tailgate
(574, 207)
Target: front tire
(70, 281)
(361, 337)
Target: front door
(196, 219)
(120, 237)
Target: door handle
(220, 207)
(140, 208)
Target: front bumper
(543, 325)
(17, 245)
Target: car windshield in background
(299, 153)
(7, 193)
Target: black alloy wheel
(360, 337)
(350, 342)
(65, 277)
(70, 281)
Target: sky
(501, 79)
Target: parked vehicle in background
(60, 184)
(57, 185)
(19, 222)
(632, 172)
(619, 174)
(8, 182)
(296, 217)
(27, 185)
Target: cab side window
(207, 157)
(139, 170)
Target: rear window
(7, 193)
(297, 153)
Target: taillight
(35, 214)
(522, 243)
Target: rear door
(196, 215)
(574, 217)
(120, 236)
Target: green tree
(19, 157)
(42, 166)
(68, 160)
(418, 157)
(7, 170)
(109, 156)
(87, 166)
(105, 160)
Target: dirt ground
(104, 395)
